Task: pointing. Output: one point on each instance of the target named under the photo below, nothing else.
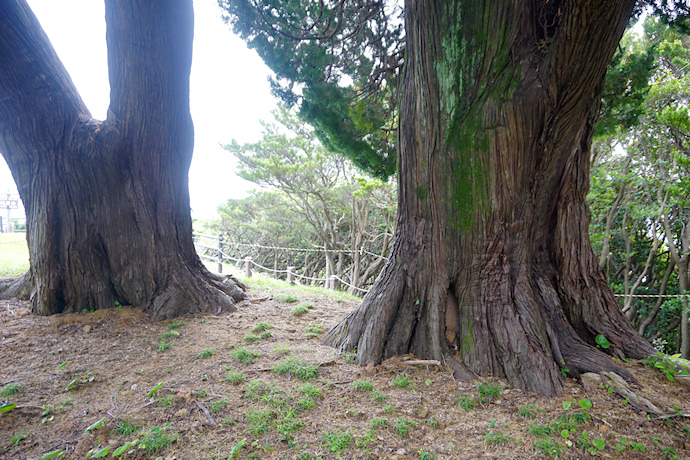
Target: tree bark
(107, 202)
(492, 264)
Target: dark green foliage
(339, 61)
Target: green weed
(401, 381)
(379, 423)
(245, 356)
(156, 440)
(282, 350)
(402, 427)
(465, 402)
(528, 411)
(259, 422)
(378, 396)
(302, 308)
(489, 391)
(235, 377)
(337, 440)
(362, 385)
(236, 449)
(296, 367)
(125, 428)
(217, 406)
(424, 455)
(541, 430)
(10, 389)
(310, 390)
(313, 330)
(18, 437)
(433, 422)
(306, 404)
(548, 447)
(494, 438)
(350, 357)
(262, 326)
(288, 298)
(207, 353)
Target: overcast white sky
(229, 90)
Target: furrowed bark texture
(492, 265)
(107, 202)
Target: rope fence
(249, 265)
(331, 281)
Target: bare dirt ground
(66, 373)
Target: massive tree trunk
(492, 266)
(107, 202)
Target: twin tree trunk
(492, 268)
(107, 202)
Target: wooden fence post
(333, 280)
(248, 267)
(291, 275)
(220, 253)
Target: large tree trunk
(107, 202)
(492, 264)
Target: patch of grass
(251, 338)
(259, 422)
(495, 438)
(424, 455)
(388, 409)
(235, 377)
(207, 353)
(362, 385)
(282, 350)
(302, 308)
(465, 402)
(306, 404)
(217, 406)
(272, 284)
(256, 389)
(175, 325)
(296, 367)
(402, 427)
(379, 423)
(541, 431)
(200, 394)
(172, 333)
(17, 438)
(262, 326)
(125, 428)
(528, 411)
(310, 390)
(378, 396)
(156, 440)
(245, 356)
(489, 391)
(548, 447)
(401, 381)
(337, 440)
(15, 254)
(288, 298)
(10, 389)
(433, 422)
(571, 421)
(313, 330)
(288, 424)
(350, 357)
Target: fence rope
(350, 285)
(259, 246)
(652, 296)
